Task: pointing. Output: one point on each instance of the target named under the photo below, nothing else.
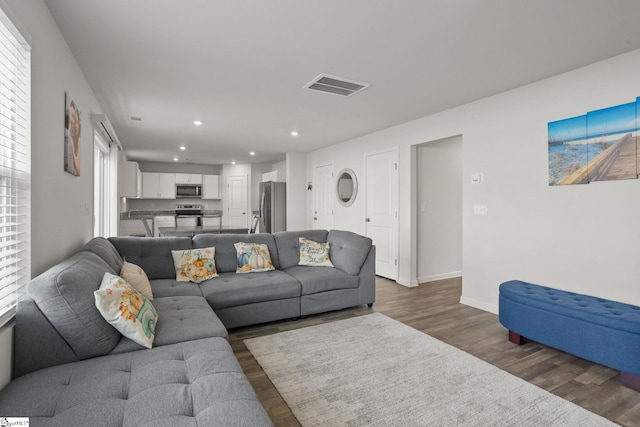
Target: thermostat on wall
(476, 178)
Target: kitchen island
(190, 231)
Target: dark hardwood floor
(434, 308)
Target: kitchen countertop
(193, 230)
(150, 213)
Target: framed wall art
(72, 132)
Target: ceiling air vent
(336, 85)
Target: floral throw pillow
(253, 257)
(314, 253)
(137, 278)
(195, 265)
(130, 312)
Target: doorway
(237, 201)
(323, 197)
(439, 209)
(381, 210)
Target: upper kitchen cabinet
(211, 186)
(158, 185)
(130, 182)
(188, 178)
(270, 176)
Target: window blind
(15, 166)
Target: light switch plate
(476, 178)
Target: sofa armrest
(367, 275)
(32, 329)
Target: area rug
(375, 371)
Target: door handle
(367, 220)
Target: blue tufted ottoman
(596, 329)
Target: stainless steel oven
(189, 215)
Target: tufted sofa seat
(596, 329)
(71, 367)
(196, 383)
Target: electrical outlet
(480, 210)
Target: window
(105, 196)
(15, 166)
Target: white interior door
(323, 197)
(237, 199)
(381, 224)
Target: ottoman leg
(516, 338)
(630, 380)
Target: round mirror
(346, 187)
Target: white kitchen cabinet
(188, 178)
(130, 181)
(158, 185)
(270, 176)
(211, 186)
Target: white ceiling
(240, 65)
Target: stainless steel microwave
(188, 191)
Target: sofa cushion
(226, 256)
(105, 250)
(152, 255)
(180, 319)
(171, 288)
(252, 258)
(195, 265)
(314, 253)
(137, 278)
(130, 312)
(64, 294)
(231, 289)
(322, 279)
(289, 245)
(186, 384)
(348, 250)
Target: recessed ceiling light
(252, 153)
(175, 159)
(233, 163)
(197, 122)
(182, 147)
(294, 133)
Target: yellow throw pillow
(314, 253)
(195, 265)
(253, 257)
(130, 312)
(137, 278)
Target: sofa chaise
(71, 367)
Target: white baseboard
(407, 282)
(479, 305)
(433, 278)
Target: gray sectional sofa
(72, 368)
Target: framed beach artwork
(72, 132)
(598, 146)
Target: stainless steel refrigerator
(273, 207)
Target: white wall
(439, 214)
(257, 169)
(59, 199)
(296, 173)
(579, 238)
